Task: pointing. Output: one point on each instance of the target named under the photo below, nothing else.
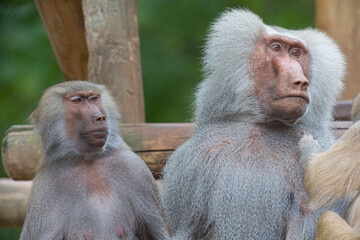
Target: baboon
(355, 110)
(332, 227)
(239, 176)
(90, 185)
(332, 174)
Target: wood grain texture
(340, 19)
(114, 54)
(22, 151)
(13, 201)
(64, 24)
(154, 143)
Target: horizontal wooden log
(342, 110)
(340, 127)
(154, 143)
(22, 151)
(13, 201)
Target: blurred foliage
(172, 34)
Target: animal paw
(307, 146)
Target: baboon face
(86, 120)
(280, 67)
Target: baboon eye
(76, 99)
(93, 98)
(296, 52)
(275, 47)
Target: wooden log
(64, 24)
(340, 127)
(22, 151)
(342, 110)
(154, 143)
(114, 55)
(340, 19)
(13, 201)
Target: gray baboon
(239, 176)
(91, 185)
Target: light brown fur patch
(97, 186)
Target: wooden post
(13, 201)
(64, 24)
(97, 40)
(340, 19)
(114, 55)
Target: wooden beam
(342, 110)
(114, 55)
(13, 201)
(22, 151)
(340, 127)
(154, 143)
(97, 40)
(340, 19)
(64, 24)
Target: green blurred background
(172, 33)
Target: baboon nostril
(301, 82)
(101, 118)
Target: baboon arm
(333, 173)
(41, 230)
(352, 216)
(332, 227)
(44, 221)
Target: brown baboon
(332, 174)
(332, 227)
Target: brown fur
(353, 214)
(332, 227)
(335, 173)
(355, 111)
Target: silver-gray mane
(226, 93)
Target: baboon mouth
(306, 98)
(99, 132)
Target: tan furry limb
(355, 110)
(332, 227)
(352, 216)
(335, 172)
